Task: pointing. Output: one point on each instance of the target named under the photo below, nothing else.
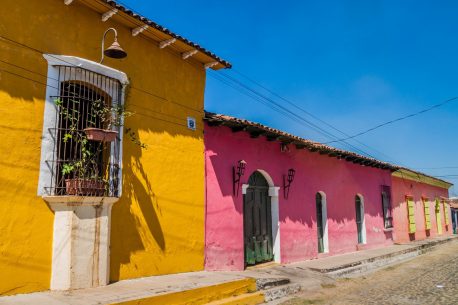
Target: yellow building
(55, 236)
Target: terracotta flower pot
(100, 135)
(84, 187)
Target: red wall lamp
(287, 180)
(237, 172)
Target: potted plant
(83, 171)
(83, 176)
(108, 116)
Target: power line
(46, 85)
(396, 120)
(309, 124)
(308, 113)
(283, 110)
(72, 64)
(253, 93)
(276, 106)
(442, 167)
(313, 116)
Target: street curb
(383, 260)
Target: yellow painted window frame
(437, 213)
(426, 208)
(411, 214)
(446, 216)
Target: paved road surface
(430, 279)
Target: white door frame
(275, 212)
(324, 221)
(363, 220)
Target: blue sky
(353, 64)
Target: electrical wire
(311, 114)
(170, 48)
(442, 167)
(286, 112)
(315, 127)
(277, 107)
(47, 85)
(397, 120)
(73, 65)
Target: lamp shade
(115, 51)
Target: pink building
(420, 206)
(289, 199)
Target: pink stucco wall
(403, 187)
(338, 179)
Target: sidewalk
(253, 286)
(343, 264)
(202, 287)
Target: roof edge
(405, 173)
(259, 129)
(166, 31)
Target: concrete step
(276, 288)
(279, 292)
(266, 283)
(365, 266)
(253, 298)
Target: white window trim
(49, 120)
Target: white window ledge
(79, 200)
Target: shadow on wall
(139, 221)
(227, 155)
(26, 222)
(136, 219)
(137, 189)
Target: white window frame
(48, 147)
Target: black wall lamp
(287, 180)
(113, 51)
(237, 172)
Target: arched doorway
(257, 221)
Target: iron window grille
(80, 166)
(386, 205)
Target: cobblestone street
(429, 279)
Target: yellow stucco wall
(158, 225)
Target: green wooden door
(257, 221)
(359, 219)
(319, 222)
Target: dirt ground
(428, 279)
